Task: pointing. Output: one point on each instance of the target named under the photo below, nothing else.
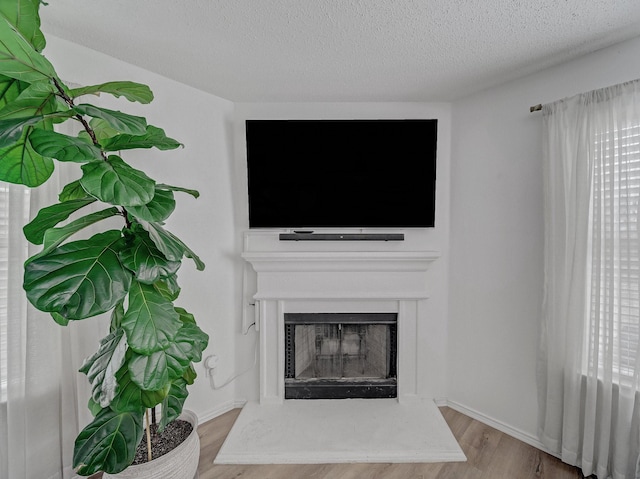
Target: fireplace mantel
(350, 281)
(341, 260)
(341, 275)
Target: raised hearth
(339, 431)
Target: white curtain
(44, 398)
(589, 359)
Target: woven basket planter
(181, 463)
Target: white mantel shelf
(341, 275)
(341, 260)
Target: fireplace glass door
(340, 355)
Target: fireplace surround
(293, 279)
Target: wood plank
(479, 443)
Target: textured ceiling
(343, 50)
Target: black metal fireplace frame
(346, 388)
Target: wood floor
(490, 455)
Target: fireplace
(333, 297)
(340, 355)
(293, 287)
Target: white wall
(432, 331)
(202, 122)
(496, 274)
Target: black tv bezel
(426, 222)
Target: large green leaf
(94, 407)
(21, 164)
(127, 398)
(192, 340)
(153, 371)
(115, 182)
(151, 322)
(173, 403)
(154, 137)
(11, 128)
(172, 250)
(130, 398)
(185, 316)
(38, 99)
(122, 122)
(190, 375)
(54, 237)
(162, 186)
(23, 15)
(72, 191)
(50, 216)
(61, 320)
(108, 443)
(158, 209)
(170, 245)
(150, 372)
(18, 58)
(79, 279)
(102, 366)
(168, 287)
(130, 90)
(63, 147)
(142, 257)
(10, 89)
(116, 316)
(151, 399)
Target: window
(13, 216)
(614, 322)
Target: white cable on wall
(211, 368)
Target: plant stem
(79, 117)
(148, 436)
(92, 135)
(125, 215)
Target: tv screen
(341, 173)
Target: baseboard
(218, 411)
(440, 402)
(500, 426)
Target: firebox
(340, 355)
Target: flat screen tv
(341, 173)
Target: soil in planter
(173, 435)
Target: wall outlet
(210, 364)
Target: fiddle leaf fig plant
(129, 273)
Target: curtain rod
(540, 105)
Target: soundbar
(341, 236)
